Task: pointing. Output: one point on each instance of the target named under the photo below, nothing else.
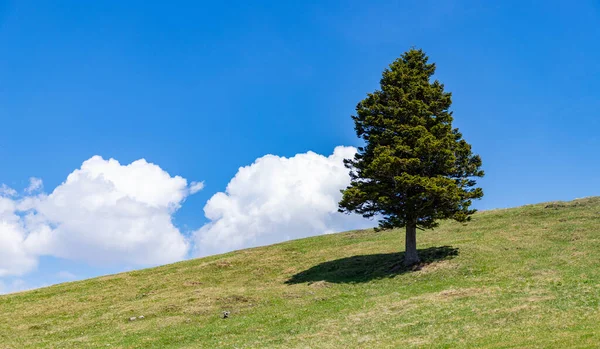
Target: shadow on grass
(369, 267)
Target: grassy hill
(522, 277)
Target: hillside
(522, 277)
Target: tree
(414, 169)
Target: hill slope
(523, 277)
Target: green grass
(514, 278)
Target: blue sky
(202, 88)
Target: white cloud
(107, 213)
(104, 213)
(196, 187)
(7, 191)
(15, 259)
(35, 184)
(276, 199)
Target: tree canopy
(414, 168)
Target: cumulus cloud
(104, 213)
(196, 187)
(7, 191)
(111, 213)
(15, 259)
(276, 199)
(35, 184)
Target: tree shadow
(364, 268)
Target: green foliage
(415, 168)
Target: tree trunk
(410, 255)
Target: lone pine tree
(414, 168)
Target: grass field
(522, 277)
